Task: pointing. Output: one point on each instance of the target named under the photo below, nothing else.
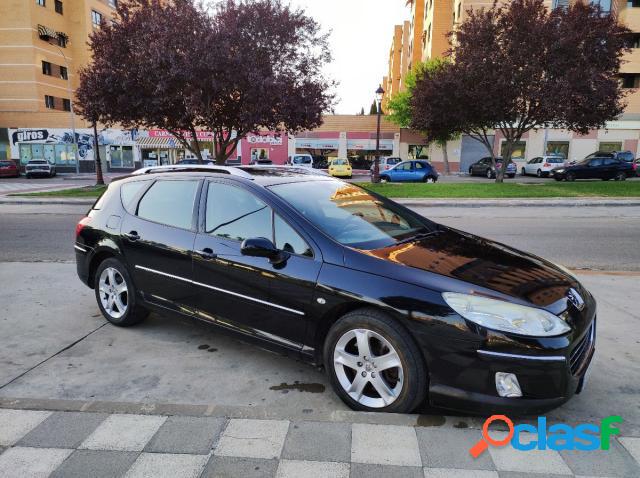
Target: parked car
(410, 171)
(595, 168)
(542, 165)
(39, 167)
(484, 168)
(386, 163)
(340, 168)
(301, 160)
(338, 276)
(261, 161)
(9, 169)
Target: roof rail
(209, 168)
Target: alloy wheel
(368, 368)
(114, 293)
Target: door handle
(133, 236)
(206, 253)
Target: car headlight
(561, 170)
(505, 316)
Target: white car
(301, 160)
(542, 165)
(39, 167)
(385, 163)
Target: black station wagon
(398, 309)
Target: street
(599, 238)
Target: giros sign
(29, 135)
(258, 139)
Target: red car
(8, 169)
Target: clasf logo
(559, 436)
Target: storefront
(270, 146)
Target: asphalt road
(600, 238)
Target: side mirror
(263, 247)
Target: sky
(362, 31)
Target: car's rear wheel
(384, 179)
(374, 364)
(523, 172)
(620, 176)
(116, 294)
(571, 177)
(539, 173)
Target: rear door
(594, 169)
(157, 237)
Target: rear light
(81, 224)
(634, 166)
(546, 165)
(386, 167)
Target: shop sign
(266, 139)
(26, 135)
(369, 144)
(161, 133)
(317, 143)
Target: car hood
(491, 266)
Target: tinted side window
(419, 165)
(404, 166)
(610, 161)
(595, 162)
(170, 203)
(128, 191)
(234, 213)
(287, 239)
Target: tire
(539, 173)
(470, 171)
(570, 177)
(620, 176)
(131, 313)
(557, 178)
(429, 179)
(406, 383)
(384, 179)
(28, 176)
(511, 176)
(489, 174)
(523, 172)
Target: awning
(44, 31)
(161, 143)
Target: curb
(47, 201)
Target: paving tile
(253, 438)
(361, 470)
(516, 474)
(318, 441)
(232, 467)
(124, 433)
(612, 462)
(63, 430)
(507, 458)
(96, 464)
(440, 448)
(31, 462)
(316, 469)
(632, 444)
(194, 435)
(167, 465)
(458, 473)
(14, 424)
(384, 445)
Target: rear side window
(234, 213)
(610, 161)
(170, 203)
(128, 192)
(555, 160)
(626, 156)
(596, 162)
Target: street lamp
(47, 37)
(376, 162)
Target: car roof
(263, 175)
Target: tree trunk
(99, 176)
(508, 151)
(445, 157)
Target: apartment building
(439, 17)
(43, 43)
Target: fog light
(507, 385)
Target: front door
(249, 294)
(402, 172)
(157, 239)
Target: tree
(251, 65)
(373, 110)
(361, 112)
(521, 67)
(399, 106)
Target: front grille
(581, 352)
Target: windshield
(555, 160)
(350, 215)
(393, 160)
(339, 162)
(302, 159)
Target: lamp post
(48, 39)
(376, 161)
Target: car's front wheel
(621, 176)
(116, 294)
(523, 172)
(570, 177)
(374, 364)
(489, 174)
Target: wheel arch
(104, 251)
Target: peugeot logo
(575, 299)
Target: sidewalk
(110, 440)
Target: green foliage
(373, 110)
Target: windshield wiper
(419, 236)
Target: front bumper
(465, 379)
